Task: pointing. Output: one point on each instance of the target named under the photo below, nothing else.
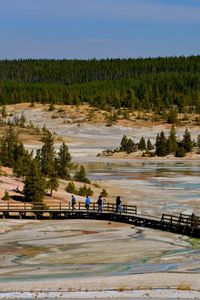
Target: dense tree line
(151, 84)
(81, 71)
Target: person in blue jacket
(87, 202)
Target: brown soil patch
(91, 115)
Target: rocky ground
(82, 259)
(94, 259)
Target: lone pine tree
(81, 175)
(63, 162)
(47, 154)
(34, 185)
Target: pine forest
(154, 84)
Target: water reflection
(158, 167)
(173, 186)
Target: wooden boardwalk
(182, 224)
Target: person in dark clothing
(73, 202)
(100, 203)
(118, 204)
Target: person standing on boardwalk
(87, 202)
(100, 204)
(73, 202)
(118, 204)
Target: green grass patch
(195, 243)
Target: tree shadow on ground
(19, 198)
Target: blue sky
(98, 28)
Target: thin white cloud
(139, 10)
(114, 10)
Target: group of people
(100, 203)
(87, 202)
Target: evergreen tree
(172, 140)
(38, 156)
(22, 165)
(180, 150)
(172, 117)
(149, 145)
(13, 153)
(47, 154)
(71, 188)
(52, 183)
(161, 145)
(34, 186)
(187, 141)
(6, 196)
(8, 145)
(131, 147)
(81, 176)
(123, 144)
(63, 162)
(142, 144)
(84, 190)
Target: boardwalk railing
(183, 224)
(10, 207)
